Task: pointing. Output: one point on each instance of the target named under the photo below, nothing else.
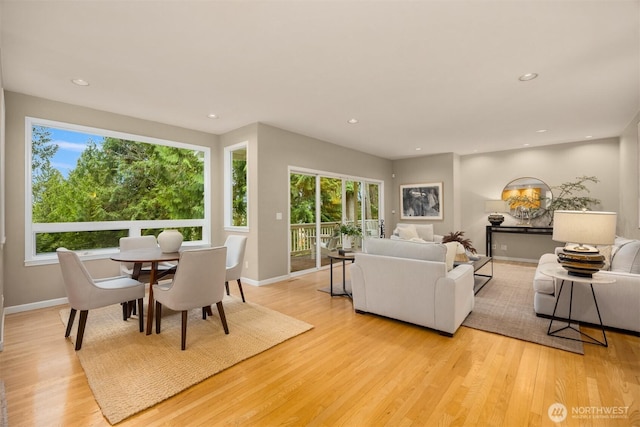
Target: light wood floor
(350, 370)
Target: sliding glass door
(319, 203)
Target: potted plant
(349, 232)
(458, 236)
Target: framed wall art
(421, 201)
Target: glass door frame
(362, 181)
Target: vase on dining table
(170, 241)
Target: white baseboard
(264, 282)
(61, 301)
(35, 305)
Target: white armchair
(85, 293)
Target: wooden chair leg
(128, 308)
(141, 311)
(184, 329)
(241, 293)
(158, 316)
(82, 323)
(206, 311)
(226, 285)
(223, 318)
(72, 316)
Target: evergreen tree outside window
(236, 188)
(89, 187)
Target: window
(236, 194)
(88, 187)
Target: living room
(468, 180)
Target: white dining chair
(127, 268)
(85, 293)
(197, 283)
(235, 257)
(143, 242)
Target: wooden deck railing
(303, 236)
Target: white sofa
(619, 303)
(410, 282)
(422, 233)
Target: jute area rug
(129, 371)
(505, 306)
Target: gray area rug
(505, 306)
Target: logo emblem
(557, 412)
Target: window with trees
(236, 195)
(88, 187)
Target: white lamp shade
(496, 206)
(584, 227)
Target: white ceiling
(437, 75)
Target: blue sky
(71, 144)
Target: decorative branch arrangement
(565, 199)
(458, 236)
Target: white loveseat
(409, 281)
(619, 302)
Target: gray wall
(2, 191)
(442, 168)
(279, 149)
(467, 182)
(247, 134)
(484, 176)
(628, 215)
(24, 285)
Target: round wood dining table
(143, 256)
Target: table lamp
(579, 229)
(496, 206)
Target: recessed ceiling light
(80, 82)
(589, 136)
(526, 145)
(541, 130)
(527, 77)
(212, 116)
(352, 121)
(418, 148)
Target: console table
(517, 229)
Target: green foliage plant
(571, 197)
(350, 230)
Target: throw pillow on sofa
(408, 232)
(627, 258)
(422, 231)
